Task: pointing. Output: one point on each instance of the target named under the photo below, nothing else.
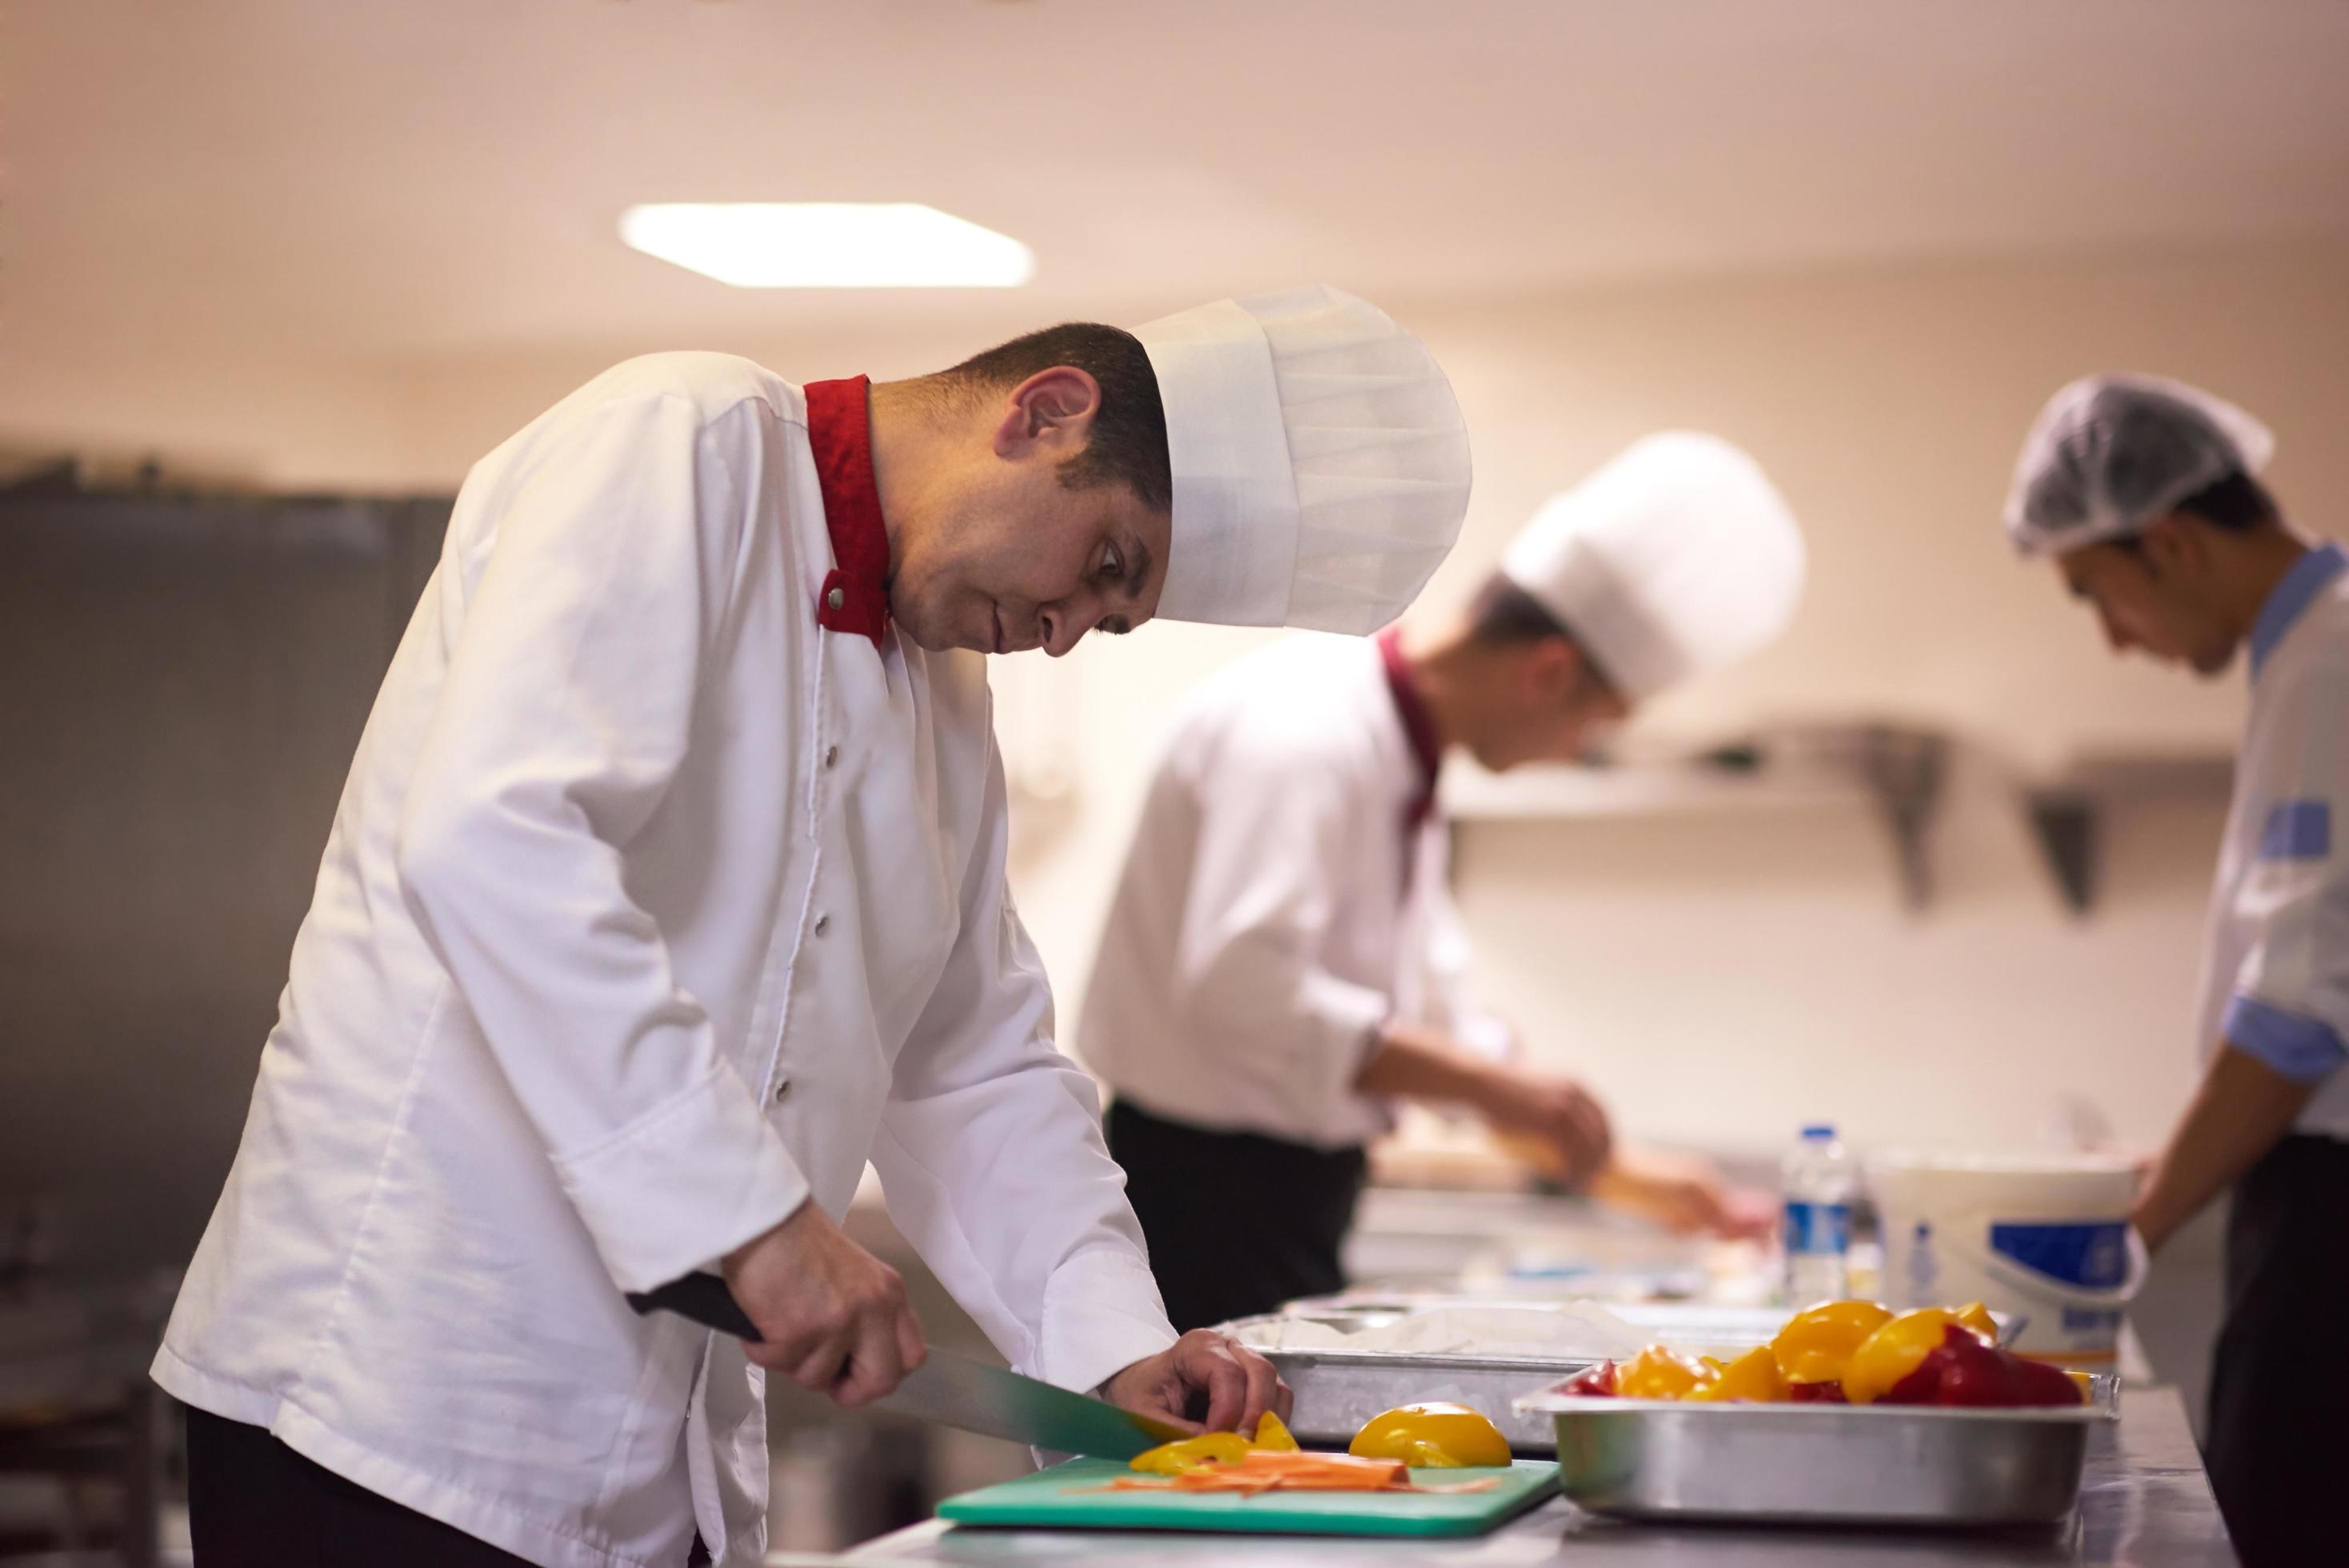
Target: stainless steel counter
(2146, 1503)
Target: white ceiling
(344, 180)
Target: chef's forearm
(1409, 1062)
(2243, 1109)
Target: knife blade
(951, 1389)
(996, 1402)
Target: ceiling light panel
(828, 245)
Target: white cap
(2111, 453)
(1676, 558)
(1320, 463)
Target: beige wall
(1725, 977)
(1720, 976)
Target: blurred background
(274, 273)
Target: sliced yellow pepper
(1272, 1435)
(1817, 1341)
(1754, 1376)
(1190, 1453)
(1657, 1373)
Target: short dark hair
(1128, 444)
(1503, 613)
(1503, 616)
(2233, 501)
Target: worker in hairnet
(2146, 495)
(1282, 965)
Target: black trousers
(2279, 1381)
(1237, 1222)
(253, 1502)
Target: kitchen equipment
(2045, 1237)
(953, 1390)
(1071, 1495)
(1338, 1389)
(1818, 1464)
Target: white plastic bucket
(2043, 1237)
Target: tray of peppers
(1852, 1413)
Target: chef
(667, 891)
(1281, 965)
(2146, 495)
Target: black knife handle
(702, 1297)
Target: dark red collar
(856, 595)
(1418, 725)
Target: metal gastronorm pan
(1337, 1391)
(1838, 1464)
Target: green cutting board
(1067, 1495)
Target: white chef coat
(2276, 981)
(1276, 907)
(650, 909)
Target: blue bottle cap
(1819, 1131)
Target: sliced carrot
(1259, 1472)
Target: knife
(951, 1389)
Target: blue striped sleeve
(2297, 831)
(2304, 1049)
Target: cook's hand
(832, 1316)
(1685, 1196)
(1204, 1381)
(1552, 1123)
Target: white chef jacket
(2276, 981)
(1277, 906)
(651, 907)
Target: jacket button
(783, 1090)
(822, 923)
(831, 755)
(836, 598)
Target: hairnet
(2111, 453)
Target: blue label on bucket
(1818, 1227)
(2092, 1255)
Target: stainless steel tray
(1835, 1464)
(1692, 1325)
(1337, 1391)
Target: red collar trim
(856, 595)
(1418, 725)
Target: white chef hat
(2110, 453)
(1676, 558)
(1320, 463)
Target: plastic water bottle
(1819, 1181)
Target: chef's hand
(1551, 1123)
(1685, 1196)
(1204, 1381)
(832, 1316)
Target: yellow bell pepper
(1657, 1373)
(1894, 1351)
(1438, 1436)
(1753, 1377)
(1272, 1436)
(1817, 1341)
(1191, 1453)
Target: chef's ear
(2171, 547)
(1549, 669)
(1051, 413)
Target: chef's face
(2147, 594)
(1548, 704)
(1003, 555)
